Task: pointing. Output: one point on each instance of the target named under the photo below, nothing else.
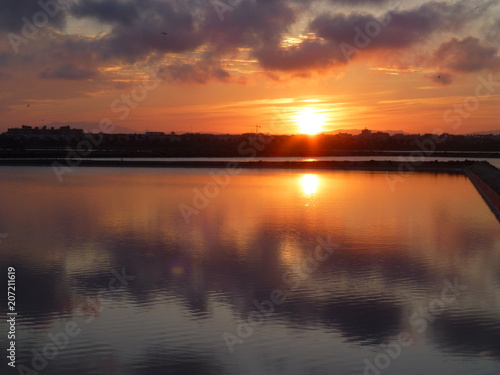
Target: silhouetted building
(365, 133)
(28, 132)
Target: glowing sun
(309, 121)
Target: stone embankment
(486, 178)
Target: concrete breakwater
(486, 179)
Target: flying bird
(439, 77)
(28, 105)
(164, 33)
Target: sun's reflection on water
(310, 183)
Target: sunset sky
(329, 64)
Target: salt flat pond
(277, 272)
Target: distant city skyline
(89, 127)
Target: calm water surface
(192, 288)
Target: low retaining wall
(486, 179)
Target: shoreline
(371, 165)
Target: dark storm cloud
(137, 31)
(108, 11)
(467, 55)
(404, 28)
(189, 27)
(69, 72)
(200, 72)
(360, 2)
(396, 30)
(250, 24)
(66, 57)
(201, 40)
(13, 12)
(309, 55)
(138, 27)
